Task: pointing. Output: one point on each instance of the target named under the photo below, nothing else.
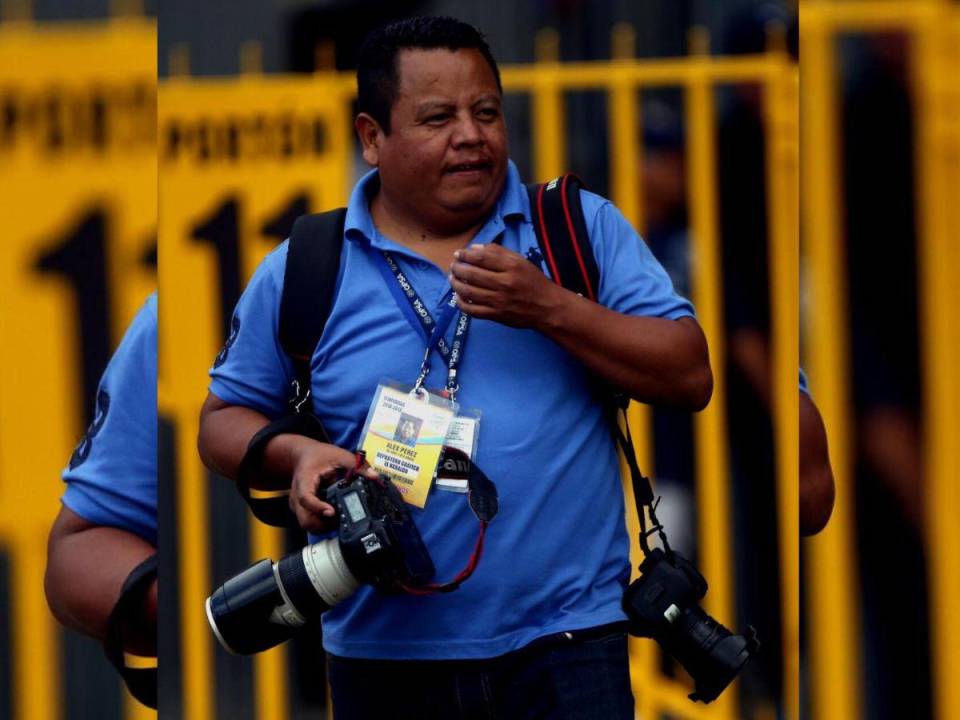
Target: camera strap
(482, 495)
(140, 681)
(642, 489)
(565, 245)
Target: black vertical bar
(222, 230)
(92, 689)
(6, 639)
(229, 554)
(169, 685)
(281, 225)
(81, 258)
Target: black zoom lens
(708, 651)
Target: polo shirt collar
(359, 222)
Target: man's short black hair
(377, 79)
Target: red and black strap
(562, 235)
(482, 495)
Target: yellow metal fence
(933, 27)
(240, 155)
(78, 210)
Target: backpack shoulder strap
(562, 234)
(309, 279)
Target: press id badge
(459, 449)
(404, 434)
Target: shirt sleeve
(632, 281)
(252, 370)
(112, 475)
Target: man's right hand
(295, 461)
(315, 465)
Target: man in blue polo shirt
(107, 526)
(533, 632)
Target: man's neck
(393, 222)
(434, 243)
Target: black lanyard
(433, 331)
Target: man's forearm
(86, 568)
(654, 360)
(816, 476)
(225, 434)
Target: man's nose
(467, 131)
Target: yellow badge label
(403, 438)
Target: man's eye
(437, 119)
(489, 113)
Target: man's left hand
(493, 283)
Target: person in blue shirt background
(535, 631)
(107, 525)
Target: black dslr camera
(378, 544)
(662, 604)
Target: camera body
(377, 544)
(378, 539)
(663, 604)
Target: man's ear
(371, 135)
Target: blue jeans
(584, 675)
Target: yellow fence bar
(549, 141)
(626, 159)
(712, 462)
(34, 636)
(868, 16)
(781, 99)
(831, 572)
(192, 513)
(651, 73)
(270, 667)
(937, 143)
(48, 190)
(937, 63)
(626, 151)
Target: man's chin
(470, 200)
(473, 196)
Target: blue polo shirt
(556, 556)
(112, 475)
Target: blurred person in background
(103, 542)
(881, 235)
(667, 234)
(743, 206)
(743, 216)
(537, 630)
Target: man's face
(445, 159)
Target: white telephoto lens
(285, 614)
(328, 571)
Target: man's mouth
(469, 167)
